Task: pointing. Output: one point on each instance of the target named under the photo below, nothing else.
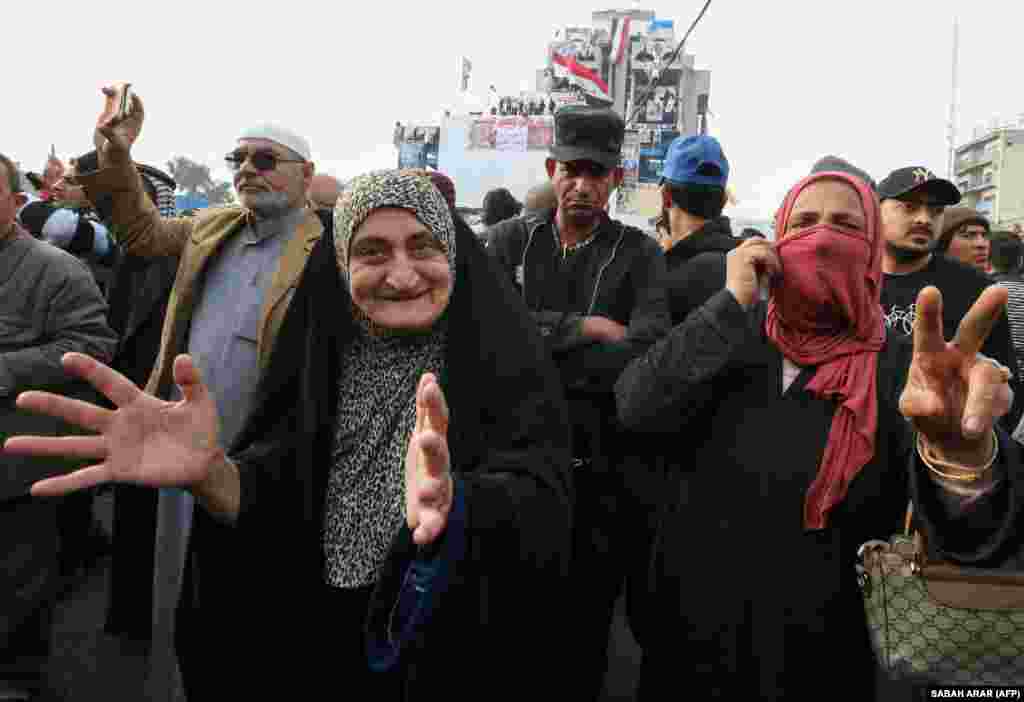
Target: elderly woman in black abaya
(376, 487)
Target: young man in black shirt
(913, 203)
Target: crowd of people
(313, 492)
(508, 106)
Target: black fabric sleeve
(986, 535)
(510, 454)
(518, 488)
(650, 319)
(664, 388)
(999, 346)
(560, 330)
(83, 241)
(88, 162)
(595, 366)
(502, 239)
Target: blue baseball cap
(695, 160)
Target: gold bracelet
(968, 475)
(961, 473)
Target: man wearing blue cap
(693, 195)
(593, 287)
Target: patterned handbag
(937, 622)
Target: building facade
(636, 72)
(990, 174)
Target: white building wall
(477, 171)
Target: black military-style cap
(585, 133)
(905, 180)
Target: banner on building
(568, 97)
(628, 202)
(649, 54)
(413, 155)
(512, 134)
(662, 106)
(661, 29)
(541, 133)
(419, 147)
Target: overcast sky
(792, 80)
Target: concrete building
(990, 173)
(628, 81)
(660, 95)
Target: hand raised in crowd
(145, 441)
(429, 489)
(115, 134)
(953, 395)
(748, 266)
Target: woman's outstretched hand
(144, 441)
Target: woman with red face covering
(814, 424)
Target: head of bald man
(541, 197)
(324, 191)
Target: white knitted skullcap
(279, 135)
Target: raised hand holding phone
(119, 125)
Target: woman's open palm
(144, 441)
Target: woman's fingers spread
(76, 412)
(92, 447)
(72, 482)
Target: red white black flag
(589, 80)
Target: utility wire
(654, 83)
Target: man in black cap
(592, 284)
(914, 201)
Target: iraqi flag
(620, 39)
(589, 80)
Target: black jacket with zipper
(618, 275)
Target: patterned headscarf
(406, 189)
(164, 185)
(377, 392)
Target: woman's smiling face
(399, 272)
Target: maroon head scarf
(825, 312)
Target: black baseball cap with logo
(917, 178)
(585, 133)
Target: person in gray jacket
(49, 305)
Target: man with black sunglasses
(238, 266)
(594, 288)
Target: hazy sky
(792, 80)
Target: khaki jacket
(141, 231)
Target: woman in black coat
(402, 490)
(801, 406)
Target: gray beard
(269, 205)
